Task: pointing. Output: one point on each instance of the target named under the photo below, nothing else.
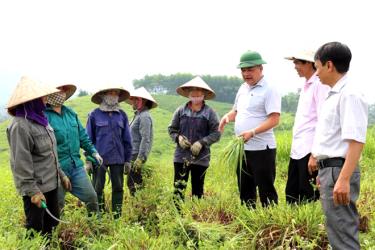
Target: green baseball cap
(250, 59)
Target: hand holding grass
(247, 135)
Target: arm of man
(271, 122)
(228, 117)
(341, 190)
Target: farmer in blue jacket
(108, 128)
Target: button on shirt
(343, 117)
(253, 105)
(310, 101)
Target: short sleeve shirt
(344, 117)
(253, 105)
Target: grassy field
(150, 221)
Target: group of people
(45, 139)
(329, 133)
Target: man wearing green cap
(256, 111)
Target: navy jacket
(110, 133)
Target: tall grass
(150, 220)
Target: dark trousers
(116, 173)
(37, 218)
(134, 180)
(299, 186)
(181, 177)
(259, 170)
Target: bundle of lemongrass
(232, 155)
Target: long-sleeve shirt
(110, 133)
(310, 101)
(33, 157)
(142, 134)
(199, 126)
(70, 137)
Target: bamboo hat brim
(142, 93)
(97, 97)
(306, 55)
(69, 90)
(28, 90)
(196, 82)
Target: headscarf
(33, 110)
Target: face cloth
(56, 99)
(109, 103)
(196, 99)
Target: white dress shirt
(344, 117)
(253, 105)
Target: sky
(95, 43)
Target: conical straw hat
(69, 89)
(305, 55)
(196, 82)
(142, 93)
(28, 90)
(124, 94)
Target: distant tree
(82, 92)
(371, 114)
(289, 102)
(225, 87)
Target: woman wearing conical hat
(141, 129)
(108, 128)
(33, 155)
(71, 137)
(194, 128)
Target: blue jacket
(199, 126)
(110, 133)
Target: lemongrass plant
(233, 154)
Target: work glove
(88, 166)
(98, 158)
(196, 148)
(66, 183)
(37, 199)
(127, 168)
(183, 142)
(137, 165)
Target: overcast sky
(93, 43)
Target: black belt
(331, 162)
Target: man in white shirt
(339, 140)
(256, 112)
(299, 186)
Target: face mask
(56, 99)
(110, 100)
(196, 99)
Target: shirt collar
(260, 83)
(339, 85)
(312, 79)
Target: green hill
(150, 220)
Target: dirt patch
(221, 216)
